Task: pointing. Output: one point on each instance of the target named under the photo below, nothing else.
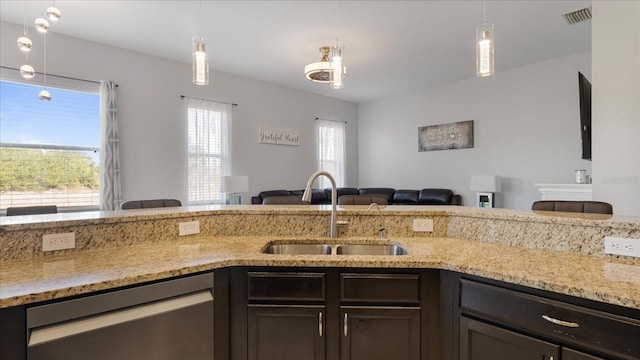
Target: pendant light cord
(484, 11)
(24, 22)
(336, 19)
(200, 26)
(26, 28)
(45, 61)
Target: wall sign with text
(458, 135)
(279, 136)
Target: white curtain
(110, 191)
(331, 151)
(208, 131)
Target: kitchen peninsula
(559, 256)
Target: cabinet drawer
(563, 322)
(286, 286)
(380, 288)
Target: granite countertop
(607, 279)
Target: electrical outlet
(188, 228)
(621, 246)
(423, 225)
(61, 241)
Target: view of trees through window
(49, 150)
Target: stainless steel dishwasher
(167, 320)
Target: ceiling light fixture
(45, 95)
(485, 47)
(53, 13)
(25, 44)
(200, 62)
(200, 69)
(320, 71)
(338, 70)
(42, 25)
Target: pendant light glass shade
(485, 46)
(44, 95)
(53, 13)
(27, 71)
(200, 62)
(337, 67)
(42, 25)
(24, 43)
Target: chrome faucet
(382, 227)
(306, 197)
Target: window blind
(331, 151)
(207, 150)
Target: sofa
(393, 196)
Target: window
(331, 151)
(208, 150)
(49, 150)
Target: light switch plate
(188, 228)
(423, 225)
(621, 246)
(60, 241)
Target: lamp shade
(235, 184)
(486, 183)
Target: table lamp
(234, 185)
(486, 186)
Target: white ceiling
(392, 46)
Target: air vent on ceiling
(578, 16)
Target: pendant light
(485, 46)
(200, 61)
(337, 67)
(25, 44)
(200, 69)
(53, 13)
(338, 70)
(42, 25)
(45, 95)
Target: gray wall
(149, 112)
(616, 104)
(526, 125)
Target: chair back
(592, 207)
(362, 199)
(284, 200)
(32, 210)
(148, 204)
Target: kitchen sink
(298, 249)
(371, 249)
(336, 249)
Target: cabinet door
(278, 332)
(380, 333)
(480, 341)
(569, 354)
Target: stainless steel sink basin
(298, 249)
(371, 249)
(335, 249)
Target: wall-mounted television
(584, 87)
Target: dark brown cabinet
(570, 354)
(370, 333)
(482, 341)
(329, 314)
(278, 332)
(501, 321)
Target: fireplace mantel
(579, 192)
